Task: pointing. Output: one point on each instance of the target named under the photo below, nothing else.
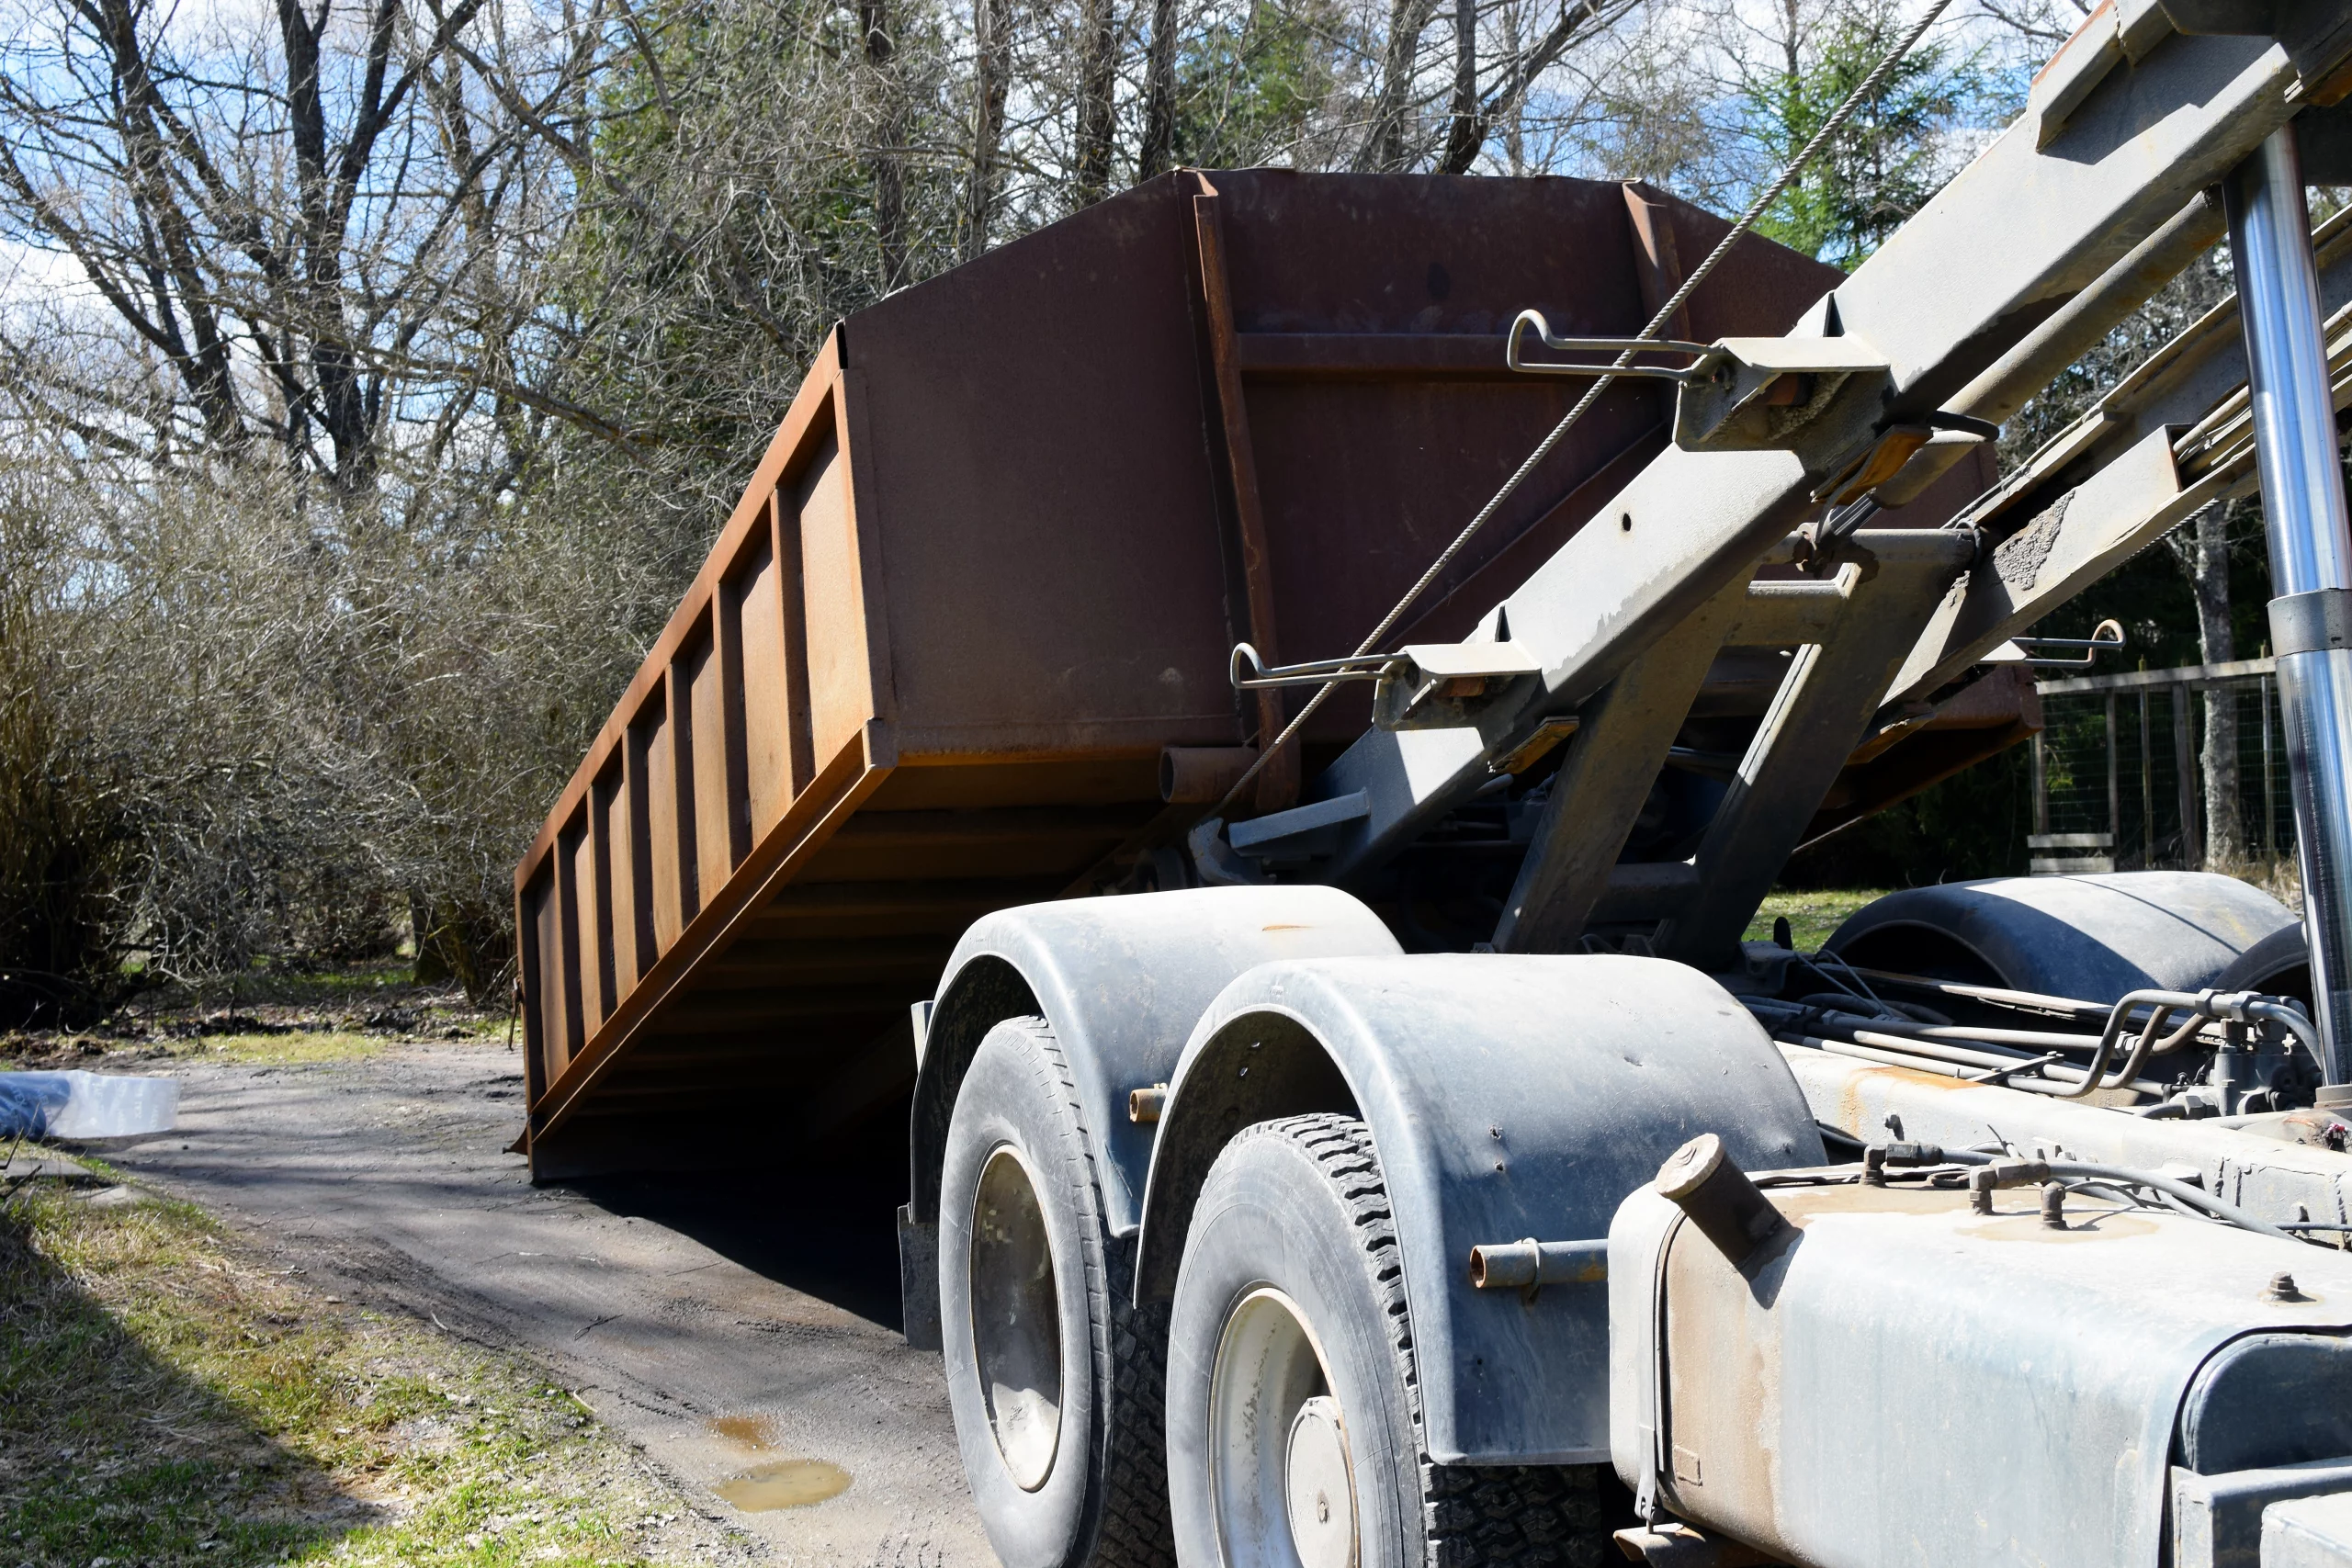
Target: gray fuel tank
(1898, 1382)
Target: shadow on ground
(109, 1452)
(825, 1223)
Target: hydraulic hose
(2163, 1004)
(2292, 1020)
(2033, 1173)
(1896, 1031)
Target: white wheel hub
(1319, 1486)
(1280, 1469)
(1016, 1319)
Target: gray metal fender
(1508, 1097)
(2090, 937)
(1122, 980)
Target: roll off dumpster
(982, 590)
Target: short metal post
(2311, 556)
(2115, 791)
(2040, 788)
(2184, 770)
(2147, 789)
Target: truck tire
(1052, 1374)
(1294, 1428)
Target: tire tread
(1486, 1516)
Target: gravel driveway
(721, 1323)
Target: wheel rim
(1280, 1469)
(1016, 1319)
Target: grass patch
(300, 1047)
(1811, 917)
(365, 983)
(166, 1398)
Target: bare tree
(1510, 72)
(1385, 132)
(1157, 150)
(279, 221)
(991, 82)
(2203, 548)
(1098, 74)
(396, 359)
(2041, 25)
(887, 158)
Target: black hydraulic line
(2202, 1007)
(2000, 996)
(2248, 1004)
(1814, 963)
(1949, 1042)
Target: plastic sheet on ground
(85, 1105)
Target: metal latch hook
(1251, 672)
(1617, 345)
(2109, 634)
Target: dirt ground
(721, 1324)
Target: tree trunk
(992, 72)
(1158, 149)
(1515, 121)
(2210, 579)
(1384, 142)
(1467, 129)
(886, 160)
(1098, 82)
(465, 941)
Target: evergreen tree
(1896, 150)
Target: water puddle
(784, 1483)
(778, 1484)
(744, 1431)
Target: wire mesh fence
(2164, 769)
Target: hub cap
(1280, 1469)
(1016, 1319)
(1319, 1489)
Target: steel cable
(1748, 219)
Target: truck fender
(1508, 1097)
(1121, 981)
(2092, 937)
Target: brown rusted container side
(994, 562)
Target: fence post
(2115, 791)
(2148, 790)
(2192, 856)
(2040, 789)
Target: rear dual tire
(1295, 1432)
(1053, 1375)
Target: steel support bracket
(1752, 394)
(2317, 39)
(1298, 833)
(1441, 685)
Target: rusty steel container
(990, 572)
